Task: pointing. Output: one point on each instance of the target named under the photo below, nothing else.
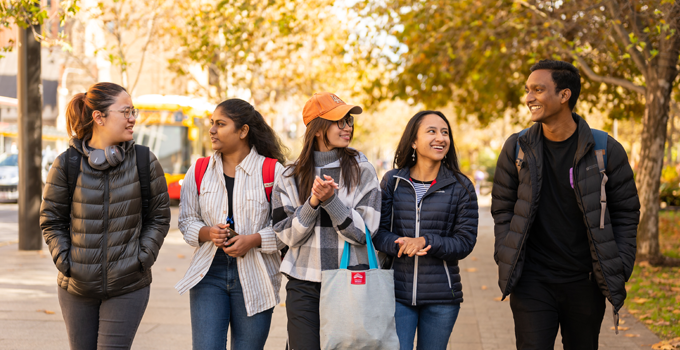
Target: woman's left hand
(324, 189)
(240, 245)
(412, 246)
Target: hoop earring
(413, 156)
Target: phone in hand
(230, 232)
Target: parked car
(9, 177)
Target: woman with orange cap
(328, 196)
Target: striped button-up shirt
(258, 270)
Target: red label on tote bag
(358, 277)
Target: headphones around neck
(100, 159)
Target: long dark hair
(403, 157)
(99, 97)
(303, 171)
(260, 134)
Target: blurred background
(467, 58)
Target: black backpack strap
(143, 171)
(72, 171)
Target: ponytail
(99, 97)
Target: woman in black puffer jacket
(99, 240)
(428, 222)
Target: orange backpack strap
(268, 175)
(201, 166)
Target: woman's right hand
(412, 246)
(322, 190)
(219, 234)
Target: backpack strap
(519, 153)
(268, 175)
(72, 171)
(601, 155)
(199, 171)
(144, 173)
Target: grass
(654, 292)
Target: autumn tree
(268, 49)
(31, 13)
(476, 55)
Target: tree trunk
(649, 172)
(671, 131)
(655, 123)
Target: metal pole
(29, 95)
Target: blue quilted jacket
(447, 217)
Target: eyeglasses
(129, 112)
(345, 121)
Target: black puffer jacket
(107, 251)
(447, 217)
(515, 200)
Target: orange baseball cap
(327, 106)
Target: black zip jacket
(447, 217)
(102, 249)
(515, 199)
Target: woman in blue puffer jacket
(428, 222)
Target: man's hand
(412, 246)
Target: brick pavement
(28, 287)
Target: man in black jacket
(557, 256)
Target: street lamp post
(29, 96)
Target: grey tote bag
(357, 307)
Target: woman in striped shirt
(328, 197)
(233, 278)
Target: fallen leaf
(628, 287)
(471, 269)
(639, 300)
(629, 335)
(663, 345)
(634, 311)
(170, 269)
(676, 289)
(282, 304)
(676, 311)
(180, 256)
(499, 299)
(649, 321)
(662, 323)
(622, 321)
(621, 328)
(644, 264)
(485, 287)
(49, 312)
(474, 258)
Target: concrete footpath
(30, 317)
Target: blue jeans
(433, 321)
(218, 300)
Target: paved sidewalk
(30, 317)
(485, 323)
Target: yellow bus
(173, 127)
